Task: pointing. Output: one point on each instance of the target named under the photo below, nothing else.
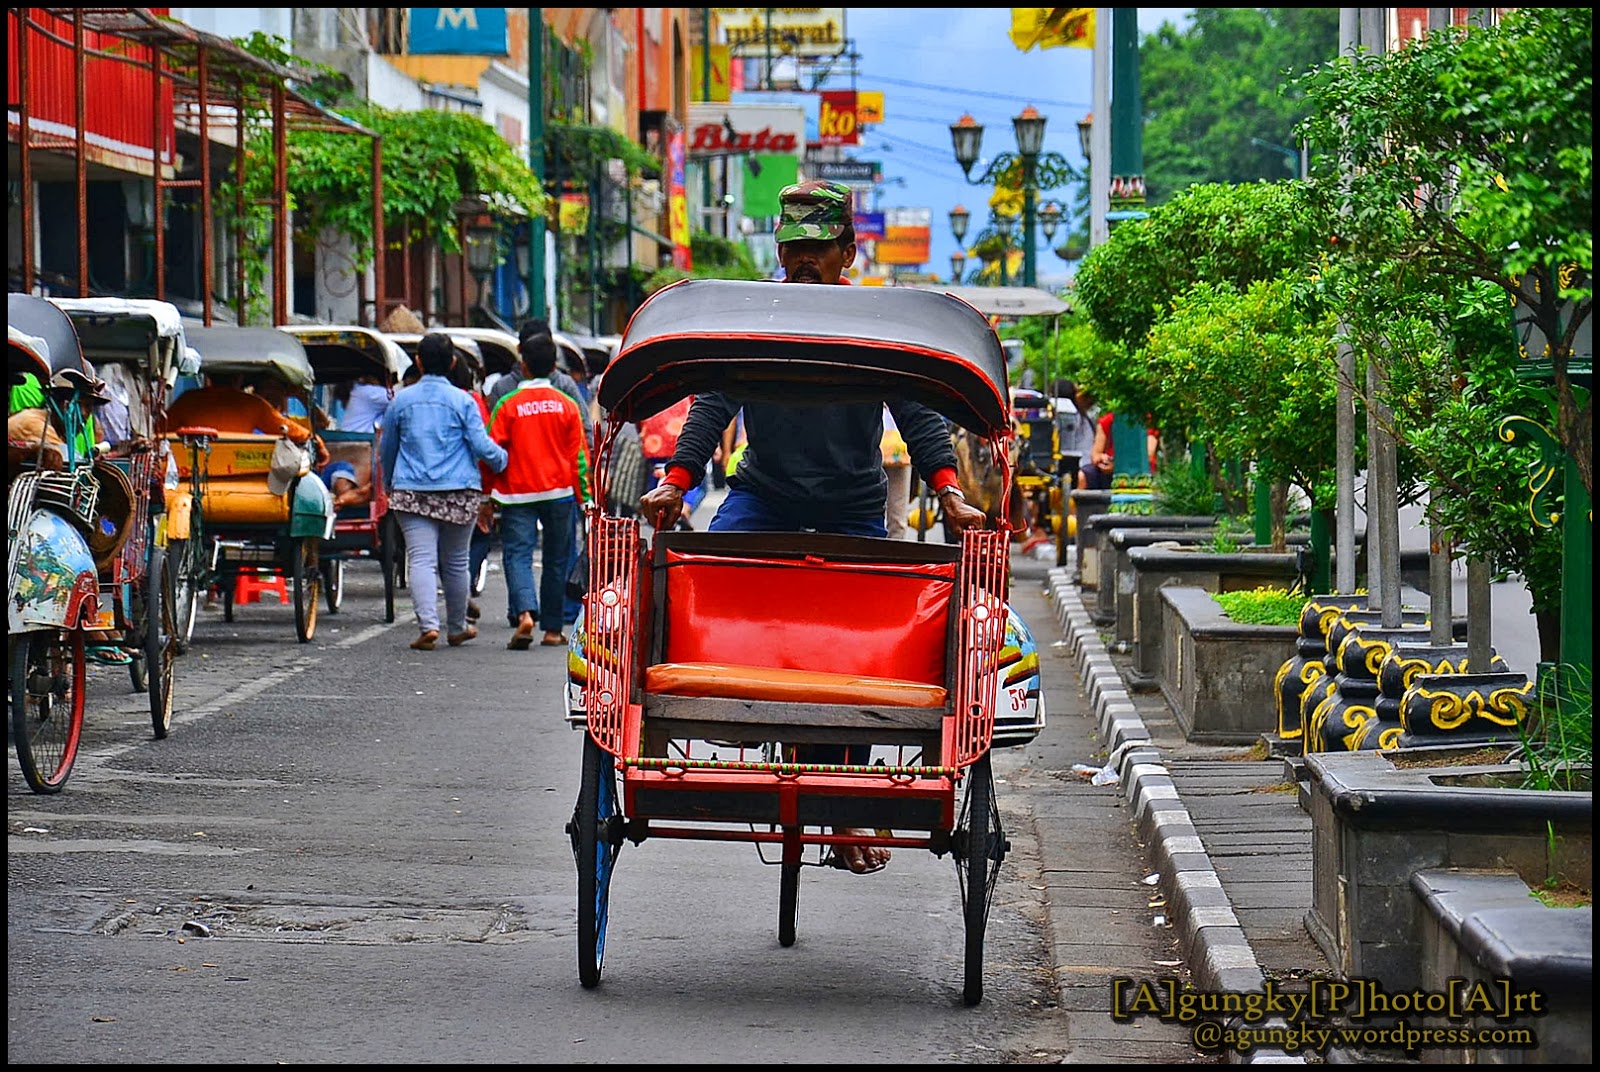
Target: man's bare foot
(861, 859)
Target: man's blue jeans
(745, 511)
(520, 527)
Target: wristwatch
(951, 489)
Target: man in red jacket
(547, 476)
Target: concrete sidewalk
(1224, 829)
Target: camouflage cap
(814, 210)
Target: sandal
(455, 640)
(426, 641)
(836, 857)
(108, 655)
(837, 861)
(552, 640)
(522, 639)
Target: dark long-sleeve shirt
(821, 462)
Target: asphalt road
(347, 851)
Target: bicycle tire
(138, 669)
(47, 739)
(333, 584)
(594, 850)
(307, 587)
(977, 865)
(189, 578)
(388, 536)
(788, 903)
(160, 643)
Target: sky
(931, 66)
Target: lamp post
(1003, 226)
(958, 264)
(959, 217)
(1050, 214)
(483, 239)
(1039, 170)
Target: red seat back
(886, 620)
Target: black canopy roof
(340, 352)
(251, 351)
(809, 344)
(39, 318)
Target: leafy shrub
(1182, 492)
(1558, 733)
(1263, 606)
(1228, 537)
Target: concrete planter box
(1092, 529)
(1086, 504)
(1375, 823)
(1482, 927)
(1115, 588)
(1217, 674)
(1153, 568)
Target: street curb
(1212, 938)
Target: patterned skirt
(458, 507)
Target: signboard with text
(721, 129)
(903, 245)
(836, 121)
(869, 106)
(458, 31)
(856, 171)
(677, 203)
(869, 226)
(791, 31)
(721, 75)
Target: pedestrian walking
(538, 492)
(432, 441)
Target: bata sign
(720, 129)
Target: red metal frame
(617, 622)
(178, 70)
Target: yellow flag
(1052, 27)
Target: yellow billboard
(720, 87)
(869, 106)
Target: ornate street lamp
(1086, 134)
(483, 239)
(1040, 170)
(958, 222)
(1028, 126)
(966, 134)
(1050, 214)
(1003, 225)
(958, 264)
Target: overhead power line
(975, 94)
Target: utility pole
(1100, 131)
(536, 266)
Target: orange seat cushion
(244, 500)
(732, 682)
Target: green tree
(1469, 155)
(1215, 233)
(1251, 375)
(431, 160)
(1211, 88)
(713, 257)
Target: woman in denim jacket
(433, 439)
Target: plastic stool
(247, 587)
